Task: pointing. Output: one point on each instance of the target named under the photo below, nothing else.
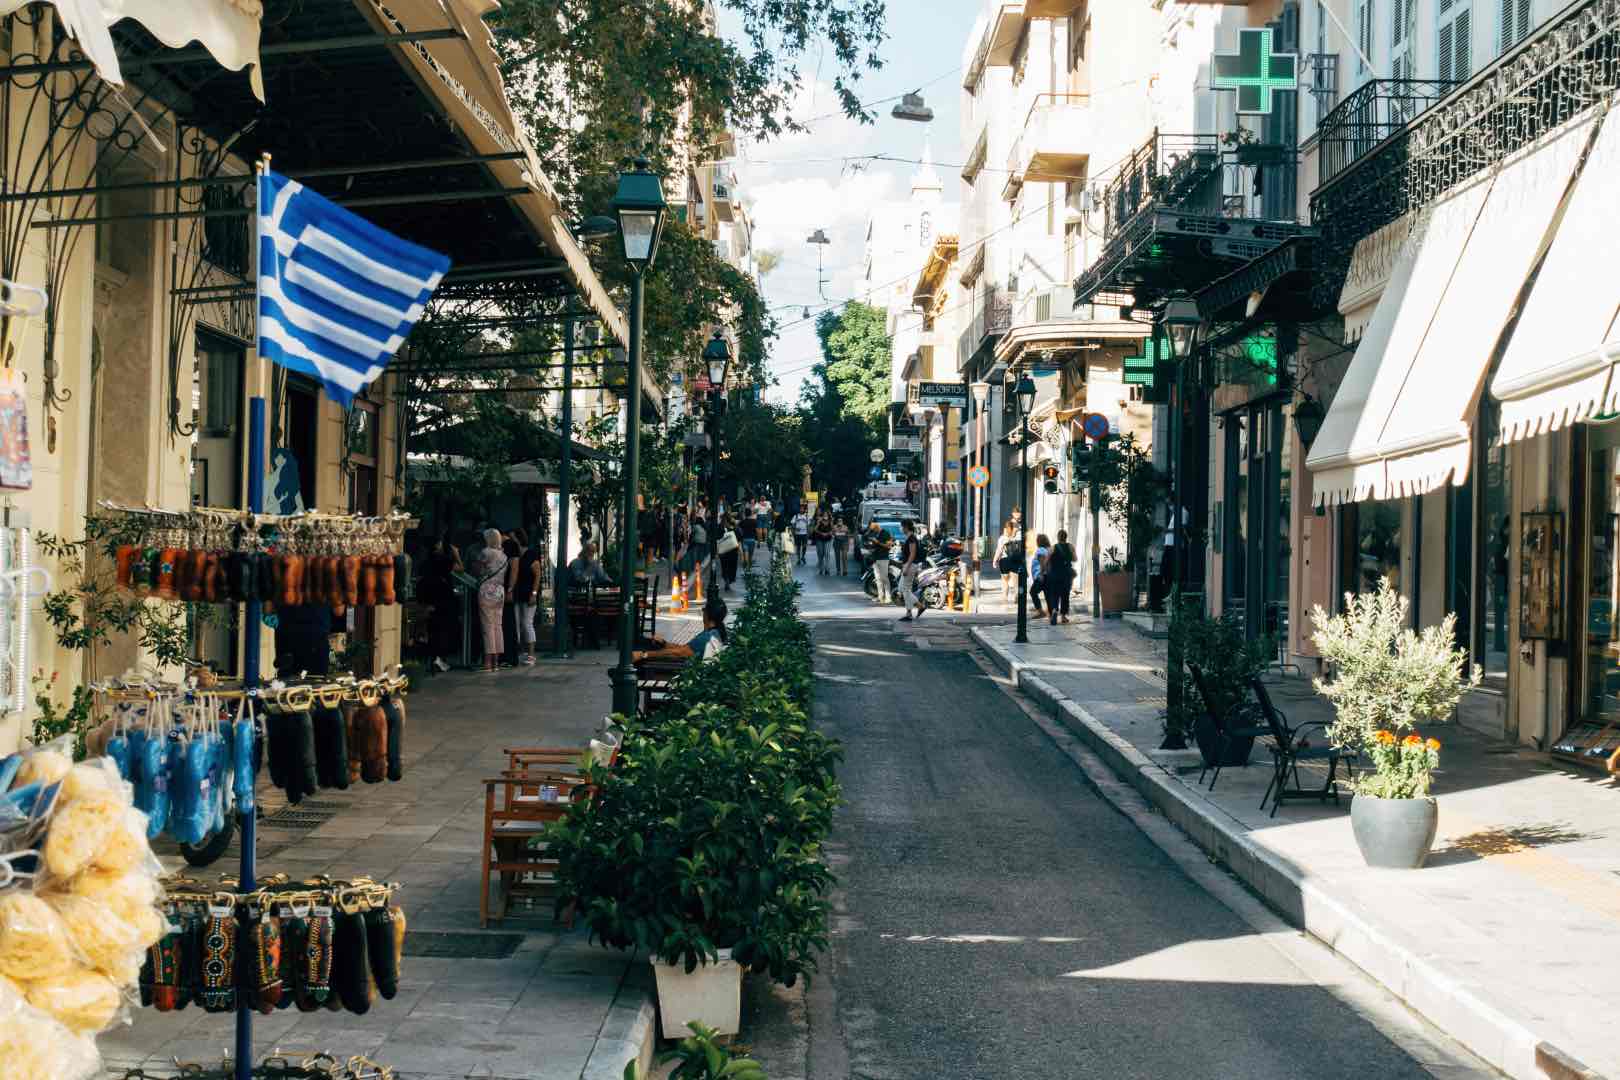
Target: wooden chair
(518, 806)
(655, 679)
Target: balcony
(1370, 115)
(1053, 145)
(1185, 210)
(992, 316)
(724, 201)
(1391, 156)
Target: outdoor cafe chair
(1228, 727)
(1289, 747)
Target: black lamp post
(716, 357)
(639, 206)
(1182, 323)
(1024, 400)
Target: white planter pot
(711, 995)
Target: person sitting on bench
(703, 646)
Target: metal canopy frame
(332, 79)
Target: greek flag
(337, 295)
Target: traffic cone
(677, 595)
(697, 586)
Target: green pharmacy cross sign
(1139, 370)
(1254, 71)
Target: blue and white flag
(337, 295)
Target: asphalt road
(998, 918)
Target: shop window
(1370, 546)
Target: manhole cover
(461, 945)
(297, 817)
(1104, 648)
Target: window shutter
(1463, 43)
(1515, 22)
(1445, 52)
(1364, 33)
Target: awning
(228, 30)
(1557, 368)
(1371, 264)
(1473, 253)
(1426, 438)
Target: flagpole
(253, 622)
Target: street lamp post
(981, 393)
(1024, 397)
(1182, 323)
(716, 357)
(639, 206)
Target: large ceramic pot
(1114, 590)
(1395, 834)
(711, 994)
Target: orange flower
(1413, 740)
(1432, 744)
(1385, 737)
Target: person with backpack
(1037, 571)
(911, 557)
(1059, 577)
(823, 537)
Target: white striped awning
(1558, 367)
(943, 487)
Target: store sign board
(1139, 370)
(942, 393)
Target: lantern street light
(639, 206)
(1024, 399)
(717, 357)
(1182, 327)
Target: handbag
(492, 587)
(728, 543)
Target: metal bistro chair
(1229, 728)
(1289, 749)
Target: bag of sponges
(79, 908)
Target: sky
(798, 183)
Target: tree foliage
(855, 347)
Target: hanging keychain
(242, 735)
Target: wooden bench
(655, 680)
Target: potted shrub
(702, 850)
(1228, 659)
(1114, 582)
(1386, 680)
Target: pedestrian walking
(700, 541)
(526, 598)
(748, 533)
(727, 547)
(911, 554)
(1009, 553)
(786, 545)
(801, 535)
(841, 544)
(1037, 571)
(762, 523)
(823, 536)
(439, 590)
(1059, 577)
(879, 543)
(490, 569)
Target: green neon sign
(1139, 370)
(1255, 72)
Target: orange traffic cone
(697, 586)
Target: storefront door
(1258, 497)
(216, 476)
(1597, 734)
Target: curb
(1496, 1038)
(630, 1031)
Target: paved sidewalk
(1505, 940)
(556, 1007)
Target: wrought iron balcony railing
(1167, 170)
(1371, 114)
(1566, 67)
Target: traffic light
(1080, 459)
(1051, 473)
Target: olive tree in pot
(702, 849)
(1386, 679)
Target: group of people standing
(508, 570)
(1052, 567)
(831, 535)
